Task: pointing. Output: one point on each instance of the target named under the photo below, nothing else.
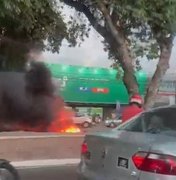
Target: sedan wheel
(8, 172)
(86, 124)
(112, 125)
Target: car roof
(158, 109)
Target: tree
(130, 30)
(133, 29)
(26, 25)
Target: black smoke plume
(27, 100)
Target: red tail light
(155, 163)
(84, 148)
(85, 151)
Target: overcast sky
(91, 53)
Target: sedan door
(119, 154)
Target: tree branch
(111, 26)
(162, 67)
(113, 37)
(114, 17)
(79, 6)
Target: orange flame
(63, 122)
(71, 129)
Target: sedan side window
(135, 125)
(157, 121)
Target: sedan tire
(112, 125)
(8, 172)
(86, 125)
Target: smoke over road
(27, 100)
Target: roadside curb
(44, 163)
(42, 136)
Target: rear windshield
(157, 121)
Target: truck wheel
(8, 172)
(86, 125)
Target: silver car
(112, 122)
(144, 148)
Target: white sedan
(83, 120)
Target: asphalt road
(25, 146)
(49, 173)
(94, 128)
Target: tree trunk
(118, 45)
(118, 40)
(115, 39)
(129, 77)
(161, 69)
(123, 54)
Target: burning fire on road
(71, 129)
(63, 122)
(28, 103)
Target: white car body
(82, 120)
(113, 122)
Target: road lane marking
(44, 163)
(40, 136)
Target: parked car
(83, 120)
(112, 123)
(143, 148)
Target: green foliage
(30, 24)
(148, 12)
(144, 23)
